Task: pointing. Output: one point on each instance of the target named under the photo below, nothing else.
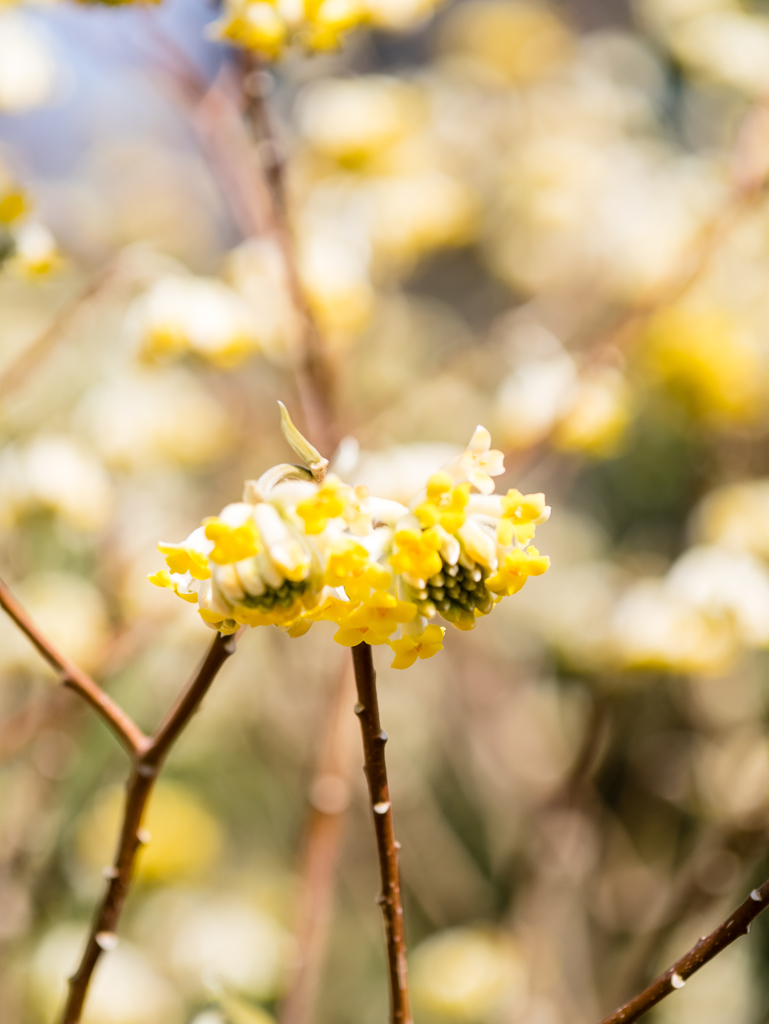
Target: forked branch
(708, 947)
(147, 755)
(138, 791)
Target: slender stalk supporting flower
(708, 947)
(138, 791)
(374, 739)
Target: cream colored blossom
(304, 547)
(55, 474)
(184, 314)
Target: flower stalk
(374, 739)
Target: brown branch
(26, 361)
(708, 947)
(139, 788)
(374, 739)
(313, 369)
(329, 799)
(126, 730)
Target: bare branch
(139, 789)
(708, 947)
(62, 320)
(126, 730)
(374, 739)
(188, 701)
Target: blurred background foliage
(547, 218)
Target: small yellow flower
(331, 609)
(445, 505)
(328, 503)
(231, 543)
(417, 552)
(521, 514)
(409, 648)
(515, 569)
(162, 578)
(180, 559)
(375, 620)
(348, 564)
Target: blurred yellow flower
(706, 357)
(736, 516)
(599, 415)
(270, 26)
(127, 988)
(352, 120)
(507, 41)
(199, 315)
(468, 974)
(70, 610)
(144, 417)
(184, 839)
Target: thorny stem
(126, 730)
(374, 739)
(139, 788)
(708, 947)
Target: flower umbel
(302, 547)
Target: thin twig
(314, 372)
(126, 730)
(329, 799)
(374, 739)
(62, 320)
(708, 947)
(139, 788)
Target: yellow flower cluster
(302, 548)
(269, 26)
(25, 244)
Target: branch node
(359, 709)
(147, 771)
(144, 836)
(109, 872)
(676, 980)
(106, 941)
